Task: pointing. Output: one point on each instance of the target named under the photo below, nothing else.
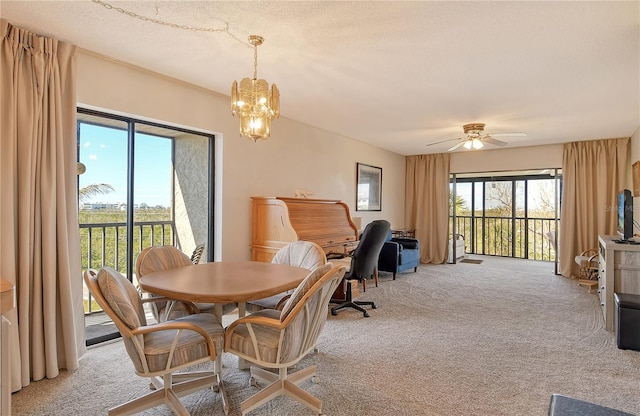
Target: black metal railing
(105, 244)
(517, 237)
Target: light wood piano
(278, 221)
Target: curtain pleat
(427, 204)
(40, 244)
(593, 172)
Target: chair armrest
(258, 320)
(410, 243)
(180, 326)
(389, 253)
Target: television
(625, 214)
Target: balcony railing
(507, 237)
(105, 244)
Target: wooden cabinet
(278, 221)
(7, 302)
(618, 272)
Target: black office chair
(364, 260)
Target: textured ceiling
(398, 75)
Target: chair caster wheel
(366, 315)
(314, 380)
(334, 313)
(215, 388)
(253, 382)
(374, 307)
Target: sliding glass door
(142, 184)
(508, 214)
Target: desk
(224, 282)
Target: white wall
(517, 158)
(297, 156)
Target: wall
(296, 157)
(516, 158)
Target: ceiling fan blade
(513, 134)
(462, 142)
(441, 141)
(491, 140)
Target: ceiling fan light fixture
(253, 102)
(473, 143)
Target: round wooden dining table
(224, 282)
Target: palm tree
(459, 203)
(89, 191)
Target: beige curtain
(40, 247)
(427, 206)
(593, 172)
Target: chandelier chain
(135, 15)
(255, 61)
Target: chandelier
(253, 102)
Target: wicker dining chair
(196, 256)
(158, 258)
(280, 339)
(158, 350)
(305, 254)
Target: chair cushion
(267, 303)
(122, 297)
(268, 338)
(191, 345)
(302, 288)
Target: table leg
(217, 311)
(242, 311)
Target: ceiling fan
(476, 138)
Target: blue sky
(104, 152)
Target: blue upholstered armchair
(399, 254)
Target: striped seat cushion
(191, 346)
(268, 338)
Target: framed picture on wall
(636, 178)
(369, 188)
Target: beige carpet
(466, 339)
